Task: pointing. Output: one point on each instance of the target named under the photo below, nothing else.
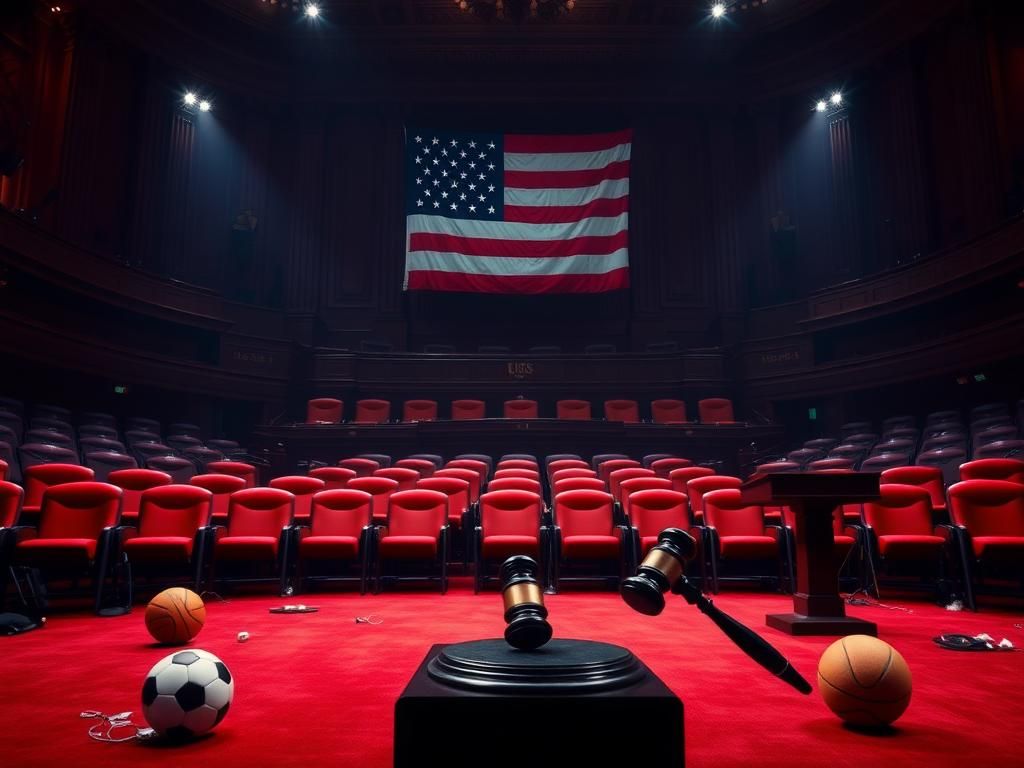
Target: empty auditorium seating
(929, 478)
(664, 467)
(333, 477)
(521, 409)
(948, 460)
(324, 410)
(406, 478)
(585, 531)
(372, 411)
(667, 411)
(362, 467)
(436, 459)
(470, 476)
(102, 463)
(607, 466)
(591, 483)
(599, 458)
(419, 410)
(517, 483)
(220, 487)
(680, 477)
(988, 516)
(830, 464)
(381, 489)
(457, 490)
(1000, 449)
(507, 463)
(463, 410)
(36, 479)
(573, 409)
(133, 482)
(383, 460)
(258, 533)
(303, 489)
(627, 411)
(649, 458)
(202, 456)
(180, 469)
(884, 461)
(636, 484)
(510, 523)
(481, 468)
(618, 476)
(519, 457)
(182, 443)
(698, 487)
(736, 531)
(417, 530)
(715, 410)
(772, 467)
(35, 454)
(532, 474)
(237, 468)
(993, 469)
(483, 458)
(171, 530)
(423, 467)
(339, 531)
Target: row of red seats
(327, 410)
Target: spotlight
(820, 106)
(718, 10)
(837, 98)
(190, 99)
(312, 10)
(204, 106)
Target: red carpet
(320, 689)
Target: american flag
(516, 213)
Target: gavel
(525, 614)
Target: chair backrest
(464, 410)
(419, 512)
(49, 437)
(698, 487)
(226, 447)
(605, 468)
(406, 478)
(471, 476)
(303, 488)
(11, 495)
(98, 430)
(79, 510)
(324, 410)
(804, 456)
(372, 411)
(260, 512)
(636, 484)
(516, 484)
(1000, 449)
(133, 482)
(532, 474)
(184, 428)
(627, 411)
(861, 438)
(14, 422)
(34, 454)
(144, 423)
(726, 512)
(4, 466)
(91, 443)
(102, 463)
(455, 488)
(220, 487)
(649, 458)
(948, 460)
(333, 477)
(900, 510)
(520, 457)
(993, 469)
(667, 411)
(989, 409)
(133, 436)
(237, 468)
(475, 465)
(715, 410)
(584, 513)
(574, 472)
(938, 417)
(821, 444)
(38, 478)
(820, 465)
(362, 467)
(422, 467)
(884, 461)
(929, 478)
(520, 409)
(662, 467)
(506, 463)
(776, 467)
(380, 488)
(591, 483)
(180, 469)
(680, 477)
(510, 513)
(573, 409)
(988, 507)
(553, 457)
(340, 512)
(627, 473)
(894, 445)
(559, 465)
(419, 410)
(182, 443)
(600, 458)
(653, 510)
(434, 458)
(483, 458)
(52, 423)
(174, 510)
(202, 456)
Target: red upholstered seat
(457, 491)
(419, 410)
(680, 477)
(715, 410)
(247, 547)
(258, 524)
(408, 547)
(929, 478)
(333, 477)
(469, 476)
(667, 411)
(627, 411)
(605, 468)
(362, 467)
(56, 551)
(591, 547)
(372, 411)
(993, 469)
(585, 529)
(749, 547)
(521, 409)
(417, 530)
(634, 485)
(699, 486)
(517, 464)
(422, 467)
(587, 483)
(380, 489)
(1009, 548)
(405, 477)
(617, 477)
(236, 469)
(564, 473)
(329, 547)
(503, 547)
(170, 527)
(910, 547)
(165, 548)
(662, 467)
(302, 488)
(324, 410)
(465, 410)
(510, 524)
(134, 482)
(573, 409)
(653, 510)
(10, 504)
(515, 484)
(736, 530)
(221, 487)
(339, 531)
(36, 479)
(532, 474)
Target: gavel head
(659, 572)
(525, 613)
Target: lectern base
(572, 702)
(798, 624)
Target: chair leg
(967, 571)
(377, 575)
(872, 572)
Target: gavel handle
(751, 643)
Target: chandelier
(516, 10)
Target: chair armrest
(127, 532)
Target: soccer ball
(187, 693)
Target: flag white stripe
(595, 226)
(566, 161)
(504, 266)
(609, 188)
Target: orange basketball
(864, 680)
(175, 616)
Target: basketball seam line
(860, 698)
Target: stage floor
(320, 688)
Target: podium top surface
(798, 486)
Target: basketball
(175, 616)
(864, 680)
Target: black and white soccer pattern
(187, 693)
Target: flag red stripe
(566, 179)
(528, 249)
(552, 214)
(525, 143)
(459, 281)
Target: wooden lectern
(817, 607)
